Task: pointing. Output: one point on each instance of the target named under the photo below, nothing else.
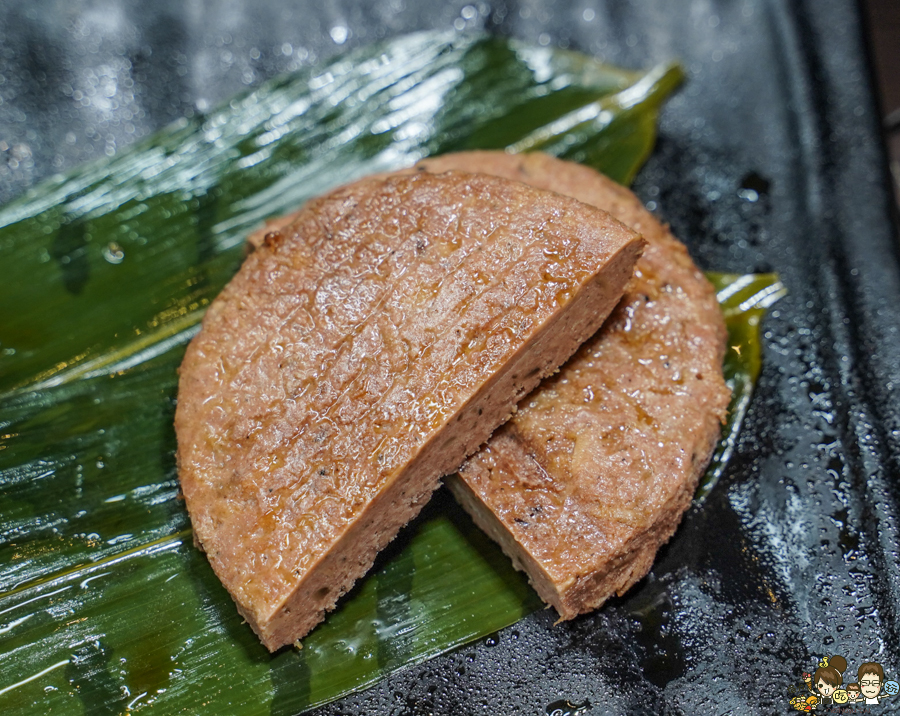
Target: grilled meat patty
(594, 471)
(363, 351)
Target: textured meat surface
(593, 473)
(361, 352)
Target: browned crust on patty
(593, 473)
(363, 351)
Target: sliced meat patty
(592, 474)
(362, 352)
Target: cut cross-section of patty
(592, 474)
(362, 352)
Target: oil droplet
(113, 253)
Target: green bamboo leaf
(615, 134)
(161, 227)
(744, 300)
(105, 605)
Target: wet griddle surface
(769, 157)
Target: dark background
(883, 21)
(38, 102)
(794, 554)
